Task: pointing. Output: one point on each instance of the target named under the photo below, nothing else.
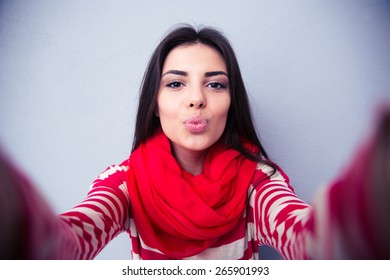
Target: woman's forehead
(194, 56)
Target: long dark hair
(239, 121)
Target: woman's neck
(190, 161)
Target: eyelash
(214, 85)
(175, 84)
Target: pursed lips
(196, 124)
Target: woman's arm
(281, 218)
(31, 230)
(349, 218)
(103, 214)
(358, 201)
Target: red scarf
(178, 213)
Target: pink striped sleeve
(348, 218)
(281, 219)
(353, 210)
(102, 215)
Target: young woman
(198, 183)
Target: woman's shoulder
(267, 172)
(114, 175)
(114, 169)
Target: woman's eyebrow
(183, 73)
(215, 73)
(176, 72)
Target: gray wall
(70, 73)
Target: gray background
(70, 73)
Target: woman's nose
(197, 99)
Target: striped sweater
(274, 216)
(347, 220)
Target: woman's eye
(216, 85)
(175, 84)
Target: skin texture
(193, 102)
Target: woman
(199, 184)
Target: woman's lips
(196, 125)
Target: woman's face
(193, 98)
